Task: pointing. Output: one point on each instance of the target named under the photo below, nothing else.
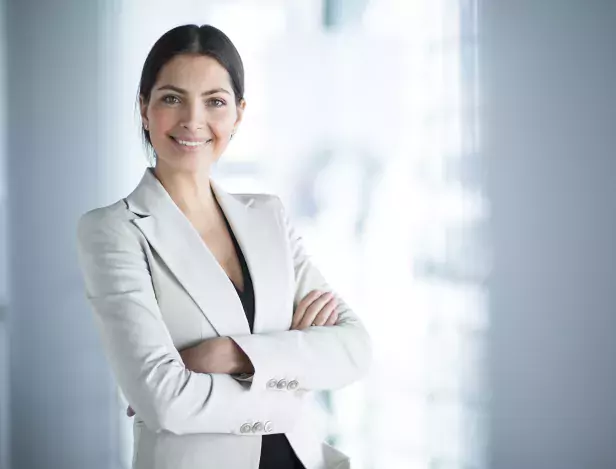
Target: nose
(193, 117)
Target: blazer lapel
(180, 246)
(261, 239)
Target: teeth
(191, 144)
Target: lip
(190, 149)
(189, 139)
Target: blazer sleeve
(139, 347)
(318, 358)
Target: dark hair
(196, 40)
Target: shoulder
(114, 221)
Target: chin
(194, 162)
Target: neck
(191, 191)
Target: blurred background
(450, 164)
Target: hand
(317, 308)
(217, 355)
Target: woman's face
(192, 113)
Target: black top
(276, 452)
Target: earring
(145, 126)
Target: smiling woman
(217, 325)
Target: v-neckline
(238, 252)
(247, 295)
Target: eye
(216, 102)
(170, 99)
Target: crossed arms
(170, 396)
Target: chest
(193, 281)
(221, 243)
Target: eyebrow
(181, 91)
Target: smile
(187, 143)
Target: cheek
(221, 123)
(162, 119)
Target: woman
(216, 324)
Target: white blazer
(155, 289)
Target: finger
(333, 318)
(323, 315)
(307, 301)
(300, 310)
(313, 310)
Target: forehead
(193, 72)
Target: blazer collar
(181, 248)
(150, 197)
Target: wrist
(239, 362)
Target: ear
(240, 113)
(143, 110)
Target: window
(362, 117)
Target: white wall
(549, 126)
